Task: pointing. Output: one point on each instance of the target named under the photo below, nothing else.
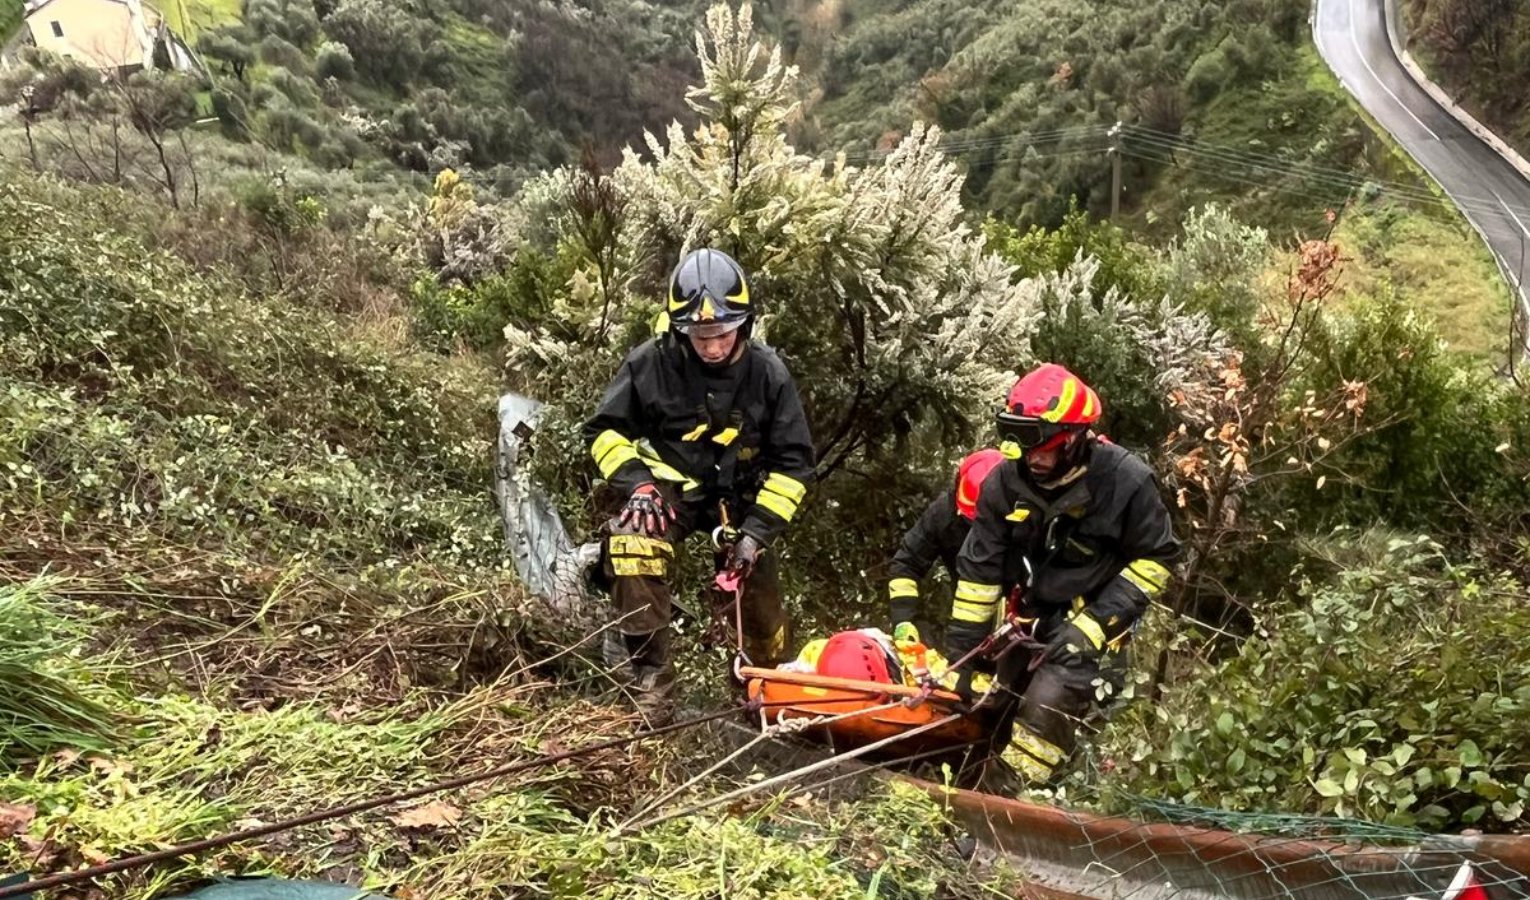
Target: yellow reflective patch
(630, 566)
(708, 311)
(1035, 745)
(660, 323)
(725, 437)
(742, 297)
(607, 441)
(1011, 450)
(695, 433)
(1149, 576)
(611, 452)
(662, 470)
(1020, 514)
(1091, 629)
(977, 592)
(786, 486)
(972, 611)
(777, 504)
(902, 587)
(639, 545)
(1069, 391)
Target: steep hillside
(1479, 51)
(249, 568)
(249, 559)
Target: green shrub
(334, 61)
(1208, 75)
(140, 398)
(1396, 690)
(1449, 446)
(46, 702)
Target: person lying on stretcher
(869, 654)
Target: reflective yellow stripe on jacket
(611, 452)
(902, 587)
(1150, 577)
(781, 494)
(975, 602)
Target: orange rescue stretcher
(786, 695)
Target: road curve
(1353, 39)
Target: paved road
(1352, 38)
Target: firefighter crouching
(701, 429)
(1088, 518)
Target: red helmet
(969, 479)
(1045, 406)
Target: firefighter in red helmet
(936, 536)
(1088, 518)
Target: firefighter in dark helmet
(1087, 516)
(701, 430)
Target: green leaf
(1225, 723)
(1470, 754)
(1327, 787)
(1403, 753)
(1355, 755)
(1473, 814)
(1236, 760)
(1452, 776)
(1351, 781)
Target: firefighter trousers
(638, 568)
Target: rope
(213, 843)
(782, 725)
(787, 776)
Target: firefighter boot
(653, 676)
(613, 652)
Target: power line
(1417, 196)
(1276, 166)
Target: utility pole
(1115, 170)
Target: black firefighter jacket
(1104, 542)
(736, 434)
(937, 535)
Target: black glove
(962, 638)
(964, 687)
(1081, 640)
(743, 555)
(648, 511)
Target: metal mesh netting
(550, 563)
(1163, 850)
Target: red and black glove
(648, 511)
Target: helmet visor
(1030, 432)
(708, 330)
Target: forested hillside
(249, 556)
(1479, 51)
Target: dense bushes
(142, 399)
(1396, 690)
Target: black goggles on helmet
(1030, 432)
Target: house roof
(33, 6)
